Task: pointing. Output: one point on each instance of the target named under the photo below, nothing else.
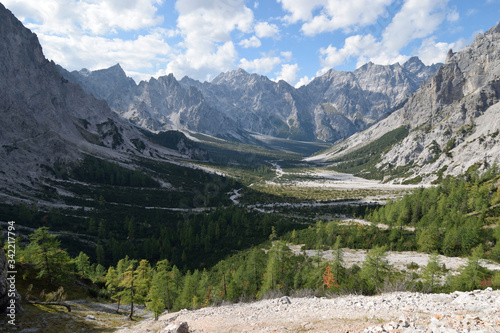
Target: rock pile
(477, 311)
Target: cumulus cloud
(131, 54)
(261, 65)
(250, 42)
(57, 17)
(265, 29)
(303, 81)
(288, 73)
(338, 14)
(354, 46)
(78, 34)
(417, 19)
(432, 52)
(206, 28)
(300, 10)
(333, 14)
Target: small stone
(285, 300)
(177, 328)
(403, 322)
(90, 317)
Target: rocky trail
(476, 311)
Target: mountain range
(49, 122)
(237, 104)
(453, 119)
(451, 111)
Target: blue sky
(294, 40)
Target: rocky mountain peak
(413, 65)
(332, 106)
(45, 118)
(453, 117)
(231, 76)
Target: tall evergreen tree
(50, 261)
(375, 267)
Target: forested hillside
(458, 217)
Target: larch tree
(49, 259)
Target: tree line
(263, 271)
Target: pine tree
(473, 273)
(163, 270)
(49, 259)
(127, 293)
(112, 284)
(82, 263)
(142, 280)
(338, 260)
(432, 271)
(375, 267)
(278, 274)
(156, 295)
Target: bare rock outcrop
(333, 106)
(453, 117)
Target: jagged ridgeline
(108, 210)
(237, 105)
(453, 119)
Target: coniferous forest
(174, 260)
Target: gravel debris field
(477, 311)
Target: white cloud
(416, 19)
(250, 42)
(453, 16)
(300, 10)
(206, 28)
(288, 73)
(60, 17)
(202, 66)
(354, 46)
(78, 34)
(134, 55)
(265, 29)
(346, 15)
(261, 65)
(287, 55)
(333, 14)
(303, 81)
(432, 52)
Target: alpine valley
(123, 202)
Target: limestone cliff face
(46, 119)
(333, 106)
(454, 118)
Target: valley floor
(476, 311)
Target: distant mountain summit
(453, 118)
(237, 104)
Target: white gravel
(476, 311)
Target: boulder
(177, 328)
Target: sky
(291, 40)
